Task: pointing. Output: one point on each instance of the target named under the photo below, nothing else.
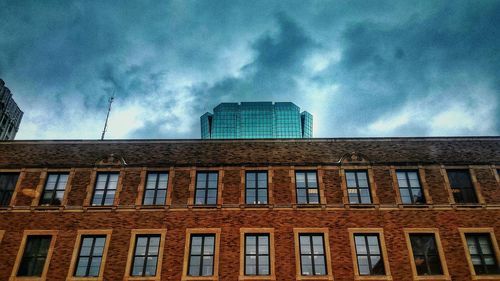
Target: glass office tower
(256, 120)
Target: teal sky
(362, 68)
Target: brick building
(316, 209)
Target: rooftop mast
(110, 101)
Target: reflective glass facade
(254, 120)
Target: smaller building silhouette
(10, 114)
(256, 120)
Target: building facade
(316, 209)
(10, 114)
(256, 120)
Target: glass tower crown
(256, 120)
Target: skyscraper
(10, 114)
(254, 120)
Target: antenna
(110, 101)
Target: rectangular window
(105, 189)
(482, 254)
(90, 256)
(8, 183)
(155, 191)
(425, 254)
(201, 255)
(206, 188)
(34, 256)
(369, 254)
(312, 254)
(145, 258)
(358, 187)
(256, 188)
(461, 186)
(53, 192)
(257, 257)
(307, 187)
(409, 187)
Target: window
(312, 253)
(461, 186)
(307, 187)
(155, 192)
(409, 187)
(482, 253)
(145, 258)
(145, 254)
(105, 189)
(358, 188)
(2, 232)
(369, 254)
(257, 254)
(257, 259)
(53, 192)
(89, 255)
(206, 188)
(201, 256)
(425, 254)
(34, 256)
(256, 188)
(8, 183)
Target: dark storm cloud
(361, 67)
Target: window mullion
(145, 256)
(105, 193)
(91, 255)
(157, 179)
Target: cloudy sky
(362, 68)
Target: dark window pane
(425, 254)
(34, 256)
(461, 185)
(7, 185)
(256, 254)
(256, 191)
(482, 254)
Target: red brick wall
(180, 189)
(333, 187)
(130, 184)
(232, 182)
(27, 188)
(436, 184)
(176, 222)
(281, 187)
(488, 183)
(79, 185)
(383, 180)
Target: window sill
(256, 277)
(362, 206)
(139, 278)
(16, 278)
(99, 208)
(373, 277)
(468, 205)
(317, 277)
(432, 277)
(315, 205)
(414, 206)
(486, 277)
(100, 278)
(255, 206)
(200, 278)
